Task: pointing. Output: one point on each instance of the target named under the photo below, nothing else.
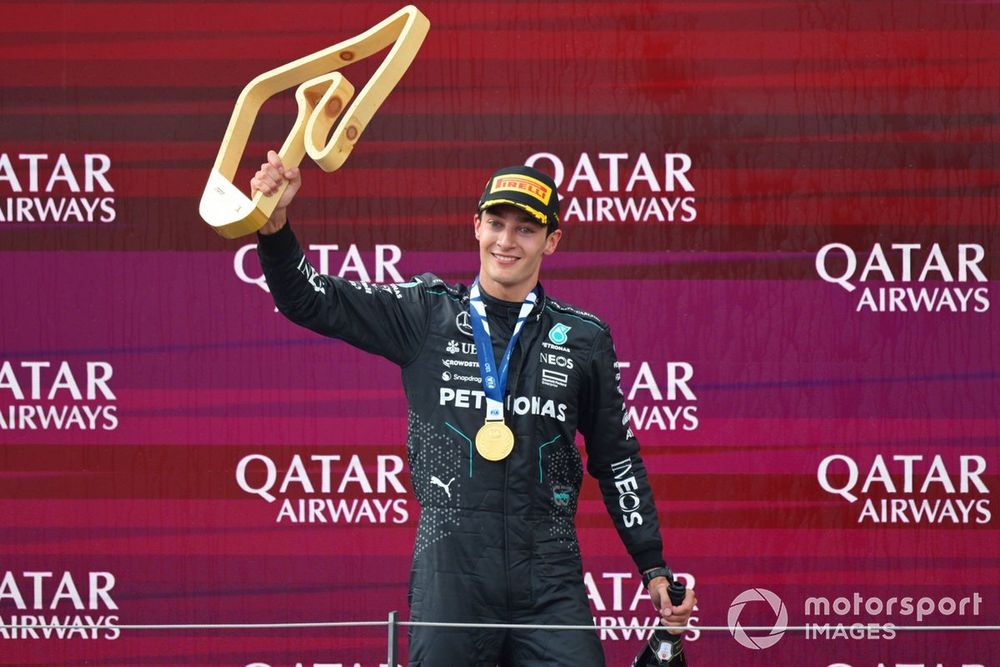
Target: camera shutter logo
(780, 614)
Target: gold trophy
(322, 95)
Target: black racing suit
(496, 541)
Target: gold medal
(494, 441)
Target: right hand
(267, 180)
(671, 615)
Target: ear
(478, 222)
(552, 242)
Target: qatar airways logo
(659, 396)
(911, 278)
(350, 263)
(910, 488)
(38, 187)
(34, 601)
(46, 395)
(622, 187)
(621, 606)
(328, 488)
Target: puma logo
(435, 480)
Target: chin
(502, 274)
(505, 279)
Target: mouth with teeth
(504, 260)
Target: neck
(515, 293)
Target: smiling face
(511, 247)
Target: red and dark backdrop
(786, 211)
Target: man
(491, 429)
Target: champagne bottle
(665, 649)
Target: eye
(526, 230)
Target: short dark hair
(525, 216)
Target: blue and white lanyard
(494, 378)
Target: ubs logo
(463, 323)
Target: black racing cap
(528, 189)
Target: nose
(505, 239)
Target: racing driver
(498, 377)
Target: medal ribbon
(494, 376)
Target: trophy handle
(320, 101)
(321, 98)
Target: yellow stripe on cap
(520, 183)
(542, 218)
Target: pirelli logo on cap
(525, 184)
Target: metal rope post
(391, 659)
